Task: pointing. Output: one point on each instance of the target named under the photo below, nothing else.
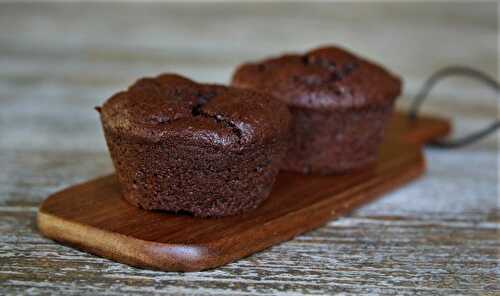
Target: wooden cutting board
(93, 217)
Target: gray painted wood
(437, 236)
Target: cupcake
(340, 104)
(204, 149)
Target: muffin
(204, 149)
(340, 104)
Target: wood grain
(93, 216)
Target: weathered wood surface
(440, 235)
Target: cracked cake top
(327, 77)
(173, 107)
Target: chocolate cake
(340, 104)
(205, 149)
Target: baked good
(204, 149)
(340, 104)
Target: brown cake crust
(339, 102)
(340, 141)
(206, 149)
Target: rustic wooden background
(439, 235)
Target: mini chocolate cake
(340, 104)
(205, 149)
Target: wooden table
(439, 235)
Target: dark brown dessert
(206, 149)
(340, 104)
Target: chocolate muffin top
(326, 77)
(171, 106)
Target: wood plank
(359, 254)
